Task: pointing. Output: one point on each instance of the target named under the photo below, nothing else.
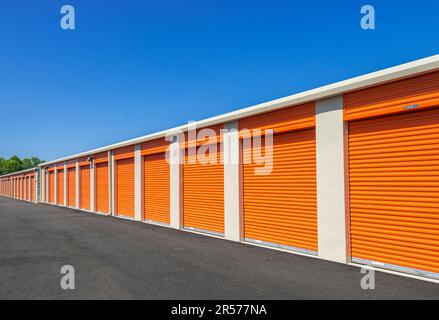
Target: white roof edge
(374, 78)
(19, 172)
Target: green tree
(2, 165)
(35, 161)
(13, 164)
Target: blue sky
(136, 67)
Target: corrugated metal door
(156, 188)
(394, 187)
(27, 196)
(71, 182)
(203, 193)
(280, 208)
(125, 187)
(23, 188)
(102, 192)
(84, 190)
(418, 92)
(60, 189)
(51, 186)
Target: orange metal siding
(60, 189)
(84, 190)
(393, 97)
(156, 188)
(203, 193)
(124, 153)
(71, 186)
(289, 119)
(394, 187)
(154, 147)
(51, 186)
(102, 191)
(125, 187)
(281, 207)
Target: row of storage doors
(392, 191)
(156, 188)
(393, 168)
(22, 187)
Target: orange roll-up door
(404, 95)
(60, 189)
(125, 187)
(28, 188)
(156, 188)
(203, 193)
(394, 187)
(21, 188)
(71, 186)
(32, 188)
(51, 186)
(84, 190)
(280, 207)
(102, 192)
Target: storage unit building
(102, 193)
(203, 185)
(348, 172)
(124, 181)
(280, 205)
(156, 182)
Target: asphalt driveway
(120, 259)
